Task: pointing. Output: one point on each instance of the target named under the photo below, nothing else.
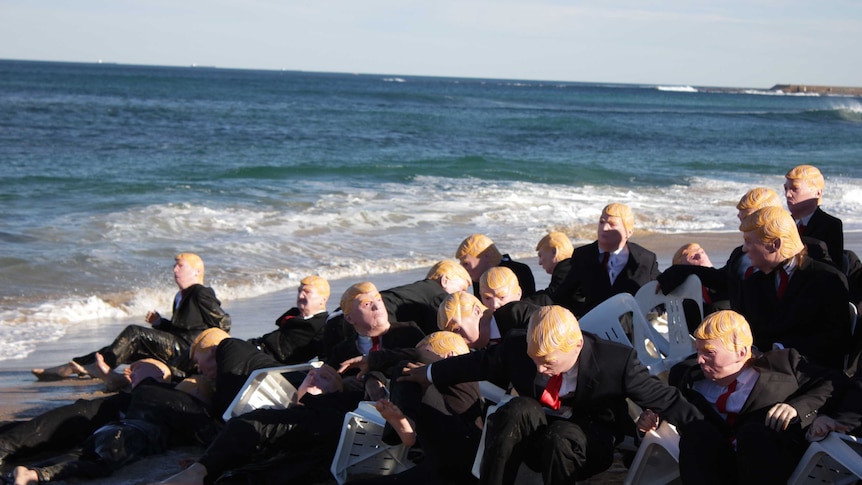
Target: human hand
(360, 362)
(779, 416)
(153, 317)
(822, 426)
(647, 421)
(415, 372)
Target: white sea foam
(677, 89)
(252, 250)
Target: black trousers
(136, 342)
(562, 450)
(61, 428)
(762, 456)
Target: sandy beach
(24, 397)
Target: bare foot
(25, 476)
(114, 381)
(56, 373)
(193, 475)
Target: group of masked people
(774, 367)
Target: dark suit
(167, 340)
(514, 315)
(811, 317)
(559, 275)
(588, 284)
(399, 335)
(296, 340)
(564, 449)
(830, 230)
(762, 455)
(415, 302)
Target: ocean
(110, 170)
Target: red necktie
(375, 343)
(749, 272)
(801, 228)
(721, 403)
(606, 258)
(551, 394)
(783, 278)
(706, 298)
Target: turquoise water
(109, 170)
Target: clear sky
(734, 43)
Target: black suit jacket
(415, 302)
(608, 373)
(544, 297)
(199, 310)
(830, 230)
(296, 340)
(785, 376)
(811, 317)
(514, 315)
(588, 284)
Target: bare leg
(25, 476)
(193, 475)
(101, 370)
(393, 415)
(56, 373)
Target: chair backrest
(604, 321)
(361, 450)
(837, 459)
(854, 317)
(678, 343)
(266, 388)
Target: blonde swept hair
(808, 174)
(353, 293)
(444, 342)
(681, 253)
(771, 223)
(457, 304)
(208, 339)
(758, 198)
(558, 242)
(552, 328)
(476, 245)
(319, 283)
(449, 268)
(728, 327)
(499, 280)
(622, 211)
(195, 262)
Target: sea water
(108, 171)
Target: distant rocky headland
(807, 88)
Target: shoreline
(25, 397)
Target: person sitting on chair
(571, 407)
(610, 265)
(465, 315)
(790, 291)
(803, 189)
(754, 407)
(478, 253)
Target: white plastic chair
(678, 344)
(361, 450)
(837, 460)
(266, 389)
(657, 459)
(604, 321)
